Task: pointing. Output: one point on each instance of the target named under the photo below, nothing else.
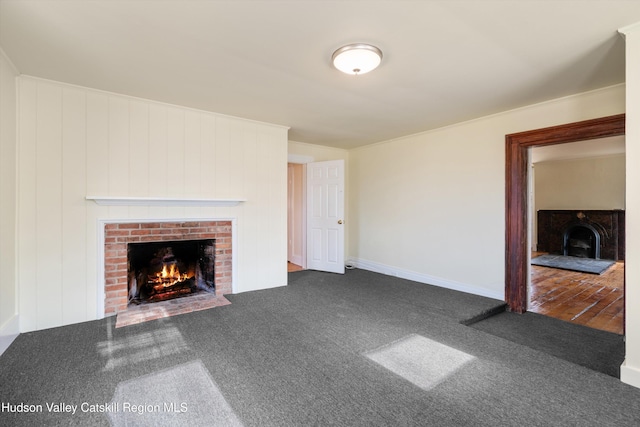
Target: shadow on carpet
(594, 349)
(380, 292)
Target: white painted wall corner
(9, 331)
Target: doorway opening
(296, 214)
(315, 220)
(577, 222)
(518, 248)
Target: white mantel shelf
(162, 201)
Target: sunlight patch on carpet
(419, 360)
(184, 395)
(140, 347)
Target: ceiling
(444, 61)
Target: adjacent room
(577, 214)
(211, 216)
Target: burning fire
(170, 275)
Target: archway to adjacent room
(516, 216)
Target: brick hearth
(143, 313)
(117, 236)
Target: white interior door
(325, 216)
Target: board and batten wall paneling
(118, 128)
(158, 150)
(48, 162)
(139, 148)
(78, 141)
(74, 299)
(27, 209)
(175, 169)
(208, 151)
(192, 166)
(222, 158)
(8, 218)
(97, 146)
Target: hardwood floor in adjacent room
(592, 300)
(293, 267)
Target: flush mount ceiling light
(357, 58)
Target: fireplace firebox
(159, 271)
(581, 240)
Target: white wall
(630, 370)
(8, 292)
(587, 183)
(431, 207)
(76, 142)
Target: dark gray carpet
(583, 265)
(359, 349)
(598, 350)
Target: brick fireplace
(117, 237)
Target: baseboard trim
(9, 331)
(630, 375)
(423, 278)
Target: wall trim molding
(630, 374)
(423, 278)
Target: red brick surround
(116, 237)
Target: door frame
(517, 195)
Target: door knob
(339, 221)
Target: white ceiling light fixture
(357, 58)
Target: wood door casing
(516, 194)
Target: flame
(170, 275)
(171, 272)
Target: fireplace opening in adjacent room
(582, 241)
(597, 234)
(160, 271)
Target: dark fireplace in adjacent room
(160, 271)
(598, 234)
(582, 241)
